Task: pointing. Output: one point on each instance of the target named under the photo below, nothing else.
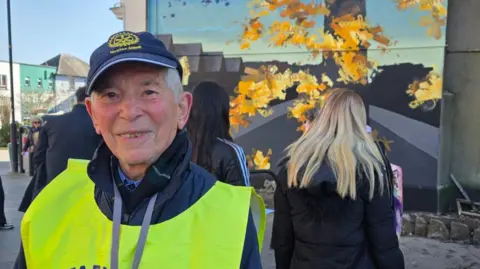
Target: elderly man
(140, 202)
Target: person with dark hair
(80, 95)
(66, 136)
(209, 131)
(62, 137)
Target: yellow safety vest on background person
(64, 229)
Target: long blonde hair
(337, 135)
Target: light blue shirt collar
(129, 184)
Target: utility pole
(13, 127)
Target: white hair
(173, 81)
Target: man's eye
(150, 92)
(110, 94)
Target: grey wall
(460, 121)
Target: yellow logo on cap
(123, 41)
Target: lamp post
(13, 126)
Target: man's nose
(130, 108)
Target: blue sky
(215, 24)
(44, 28)
(41, 29)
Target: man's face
(137, 114)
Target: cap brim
(131, 57)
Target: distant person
(209, 131)
(334, 195)
(3, 219)
(31, 142)
(62, 137)
(32, 136)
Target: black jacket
(229, 163)
(185, 186)
(66, 136)
(316, 228)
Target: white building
(5, 86)
(133, 13)
(71, 74)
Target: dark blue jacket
(186, 185)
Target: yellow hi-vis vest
(64, 229)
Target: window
(39, 83)
(27, 82)
(50, 84)
(3, 81)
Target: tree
(36, 102)
(5, 109)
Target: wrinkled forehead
(127, 71)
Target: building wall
(460, 151)
(135, 16)
(5, 91)
(37, 78)
(37, 88)
(66, 87)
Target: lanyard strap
(117, 214)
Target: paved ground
(419, 253)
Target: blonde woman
(333, 202)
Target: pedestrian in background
(209, 130)
(31, 142)
(32, 136)
(62, 137)
(334, 201)
(3, 219)
(67, 136)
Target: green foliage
(5, 134)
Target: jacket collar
(166, 171)
(323, 181)
(79, 107)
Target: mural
(279, 58)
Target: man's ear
(91, 112)
(184, 105)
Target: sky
(42, 29)
(216, 24)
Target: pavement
(419, 253)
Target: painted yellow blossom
(258, 160)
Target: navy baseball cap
(128, 46)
